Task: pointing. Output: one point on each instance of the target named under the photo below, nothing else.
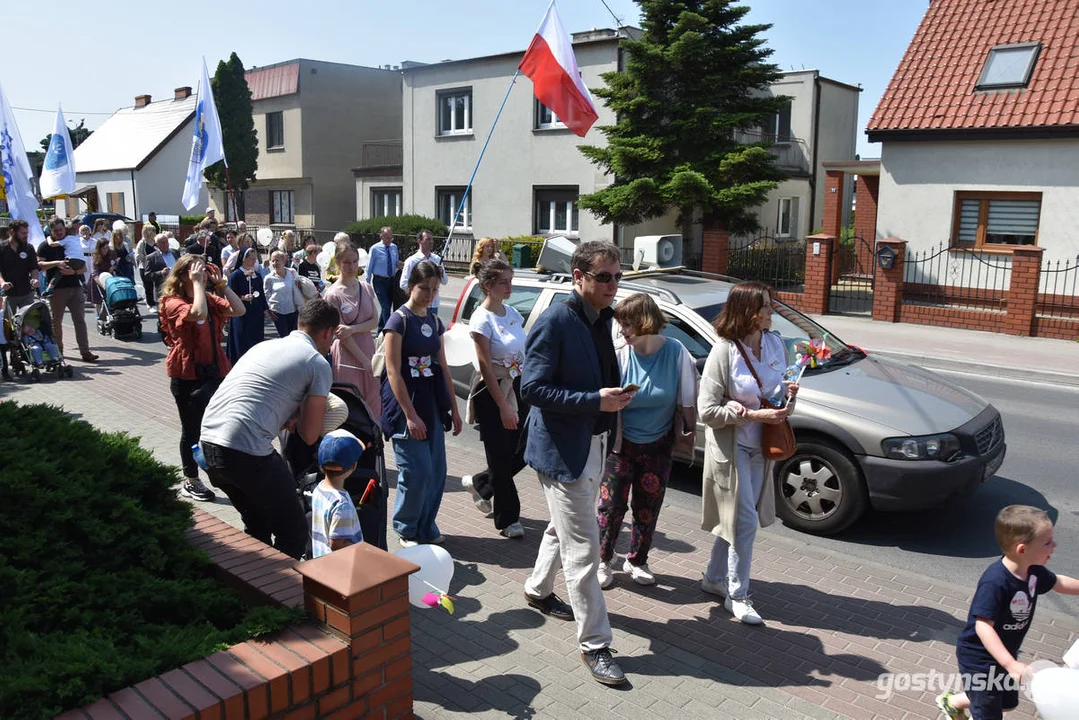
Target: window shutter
(1012, 217)
(968, 221)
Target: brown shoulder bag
(777, 439)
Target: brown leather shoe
(89, 357)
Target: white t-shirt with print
(506, 333)
(744, 387)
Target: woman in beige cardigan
(738, 495)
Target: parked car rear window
(523, 300)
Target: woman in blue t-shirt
(418, 407)
(662, 412)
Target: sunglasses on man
(604, 277)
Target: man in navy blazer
(571, 380)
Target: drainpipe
(816, 138)
(134, 198)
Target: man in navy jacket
(571, 380)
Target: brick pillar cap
(891, 241)
(1027, 250)
(820, 237)
(355, 569)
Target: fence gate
(854, 271)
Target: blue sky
(124, 48)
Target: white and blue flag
(58, 172)
(207, 146)
(16, 172)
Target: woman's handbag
(777, 439)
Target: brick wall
(888, 286)
(865, 222)
(1023, 291)
(715, 251)
(833, 198)
(354, 662)
(818, 280)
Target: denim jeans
(731, 564)
(264, 492)
(421, 480)
(285, 323)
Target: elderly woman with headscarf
(247, 330)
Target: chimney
(142, 100)
(182, 92)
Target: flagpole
(468, 188)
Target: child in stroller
(366, 484)
(35, 349)
(120, 315)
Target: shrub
(402, 225)
(191, 219)
(98, 587)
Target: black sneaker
(194, 489)
(603, 667)
(551, 605)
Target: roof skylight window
(1009, 66)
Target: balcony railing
(384, 153)
(791, 153)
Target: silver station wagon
(869, 431)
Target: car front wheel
(819, 489)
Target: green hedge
(401, 224)
(191, 219)
(98, 587)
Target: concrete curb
(998, 371)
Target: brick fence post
(818, 282)
(833, 202)
(715, 251)
(865, 221)
(888, 286)
(1023, 290)
(360, 594)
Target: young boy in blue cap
(334, 521)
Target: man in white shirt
(426, 242)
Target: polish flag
(552, 66)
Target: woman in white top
(737, 493)
(144, 247)
(280, 287)
(495, 398)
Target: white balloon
(1055, 692)
(460, 348)
(264, 237)
(323, 260)
(435, 573)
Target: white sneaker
(713, 588)
(484, 506)
(640, 573)
(605, 575)
(406, 543)
(742, 609)
(513, 530)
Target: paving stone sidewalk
(834, 624)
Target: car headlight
(927, 447)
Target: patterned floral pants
(644, 468)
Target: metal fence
(1058, 290)
(777, 261)
(956, 278)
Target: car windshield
(800, 335)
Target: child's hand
(1019, 670)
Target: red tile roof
(934, 86)
(273, 81)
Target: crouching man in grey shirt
(272, 384)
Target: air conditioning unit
(657, 250)
(556, 254)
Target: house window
(556, 211)
(234, 206)
(787, 218)
(778, 127)
(545, 118)
(281, 206)
(115, 203)
(455, 112)
(1009, 66)
(275, 131)
(386, 202)
(449, 199)
(996, 220)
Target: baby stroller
(27, 349)
(120, 312)
(370, 472)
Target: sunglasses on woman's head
(604, 277)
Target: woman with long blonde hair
(192, 319)
(354, 347)
(486, 249)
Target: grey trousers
(730, 564)
(571, 542)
